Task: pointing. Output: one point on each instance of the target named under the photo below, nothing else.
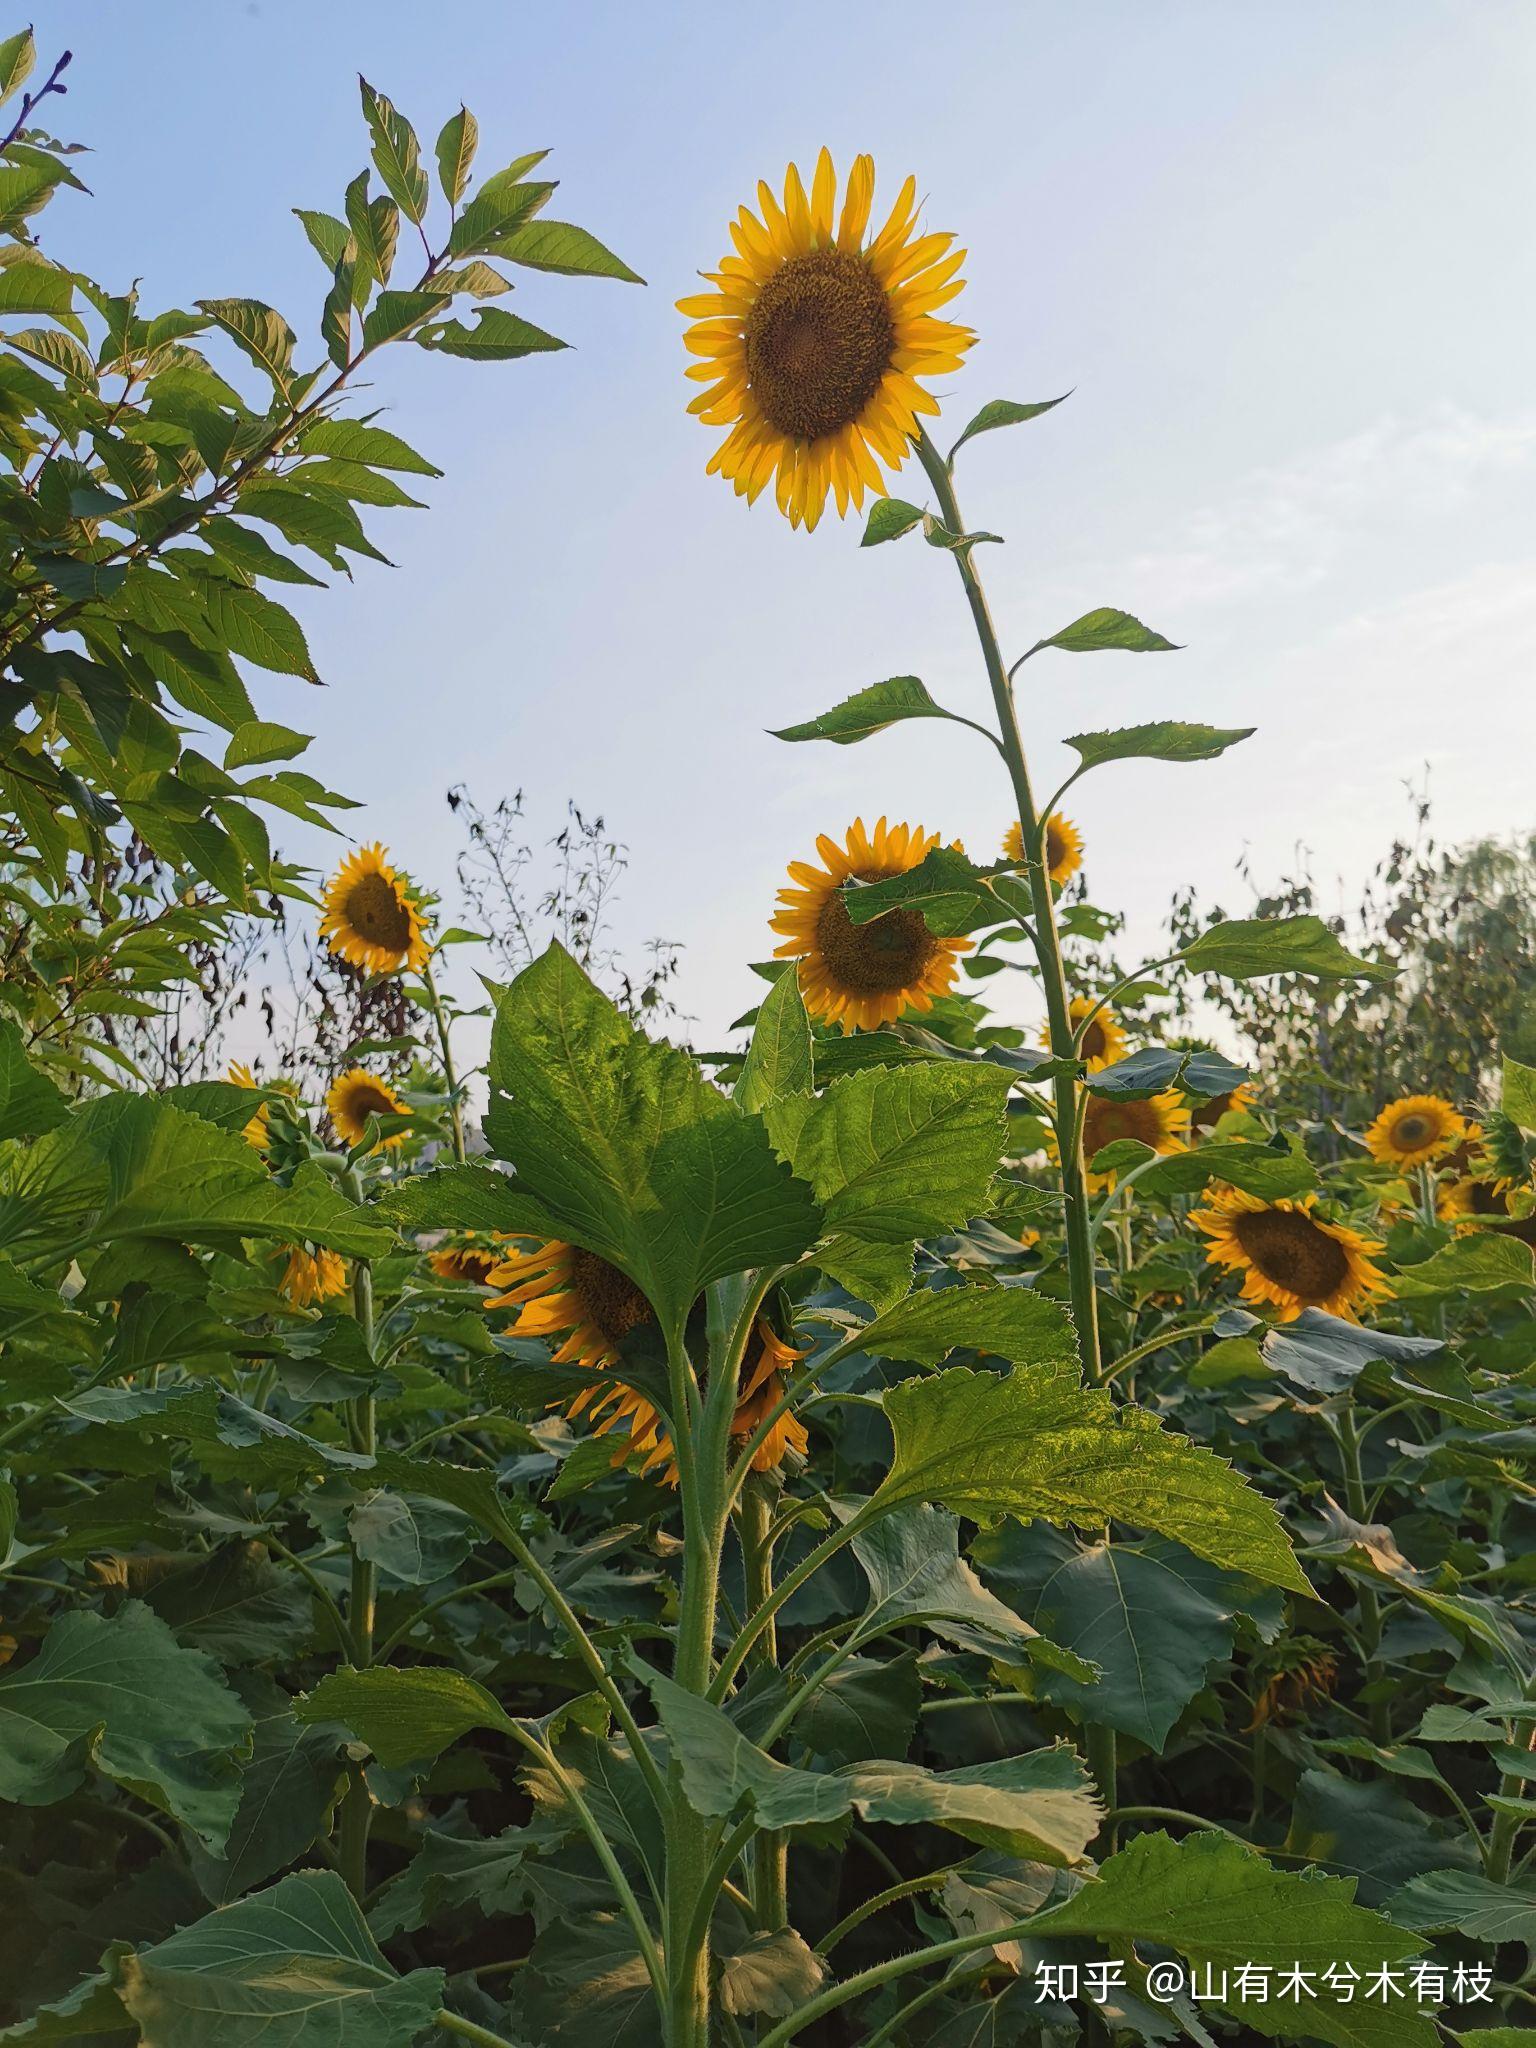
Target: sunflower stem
(1047, 939)
(356, 1818)
(1347, 1436)
(450, 1078)
(770, 1850)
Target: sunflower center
(1291, 1251)
(891, 952)
(819, 339)
(1055, 846)
(1094, 1040)
(364, 1102)
(1205, 1116)
(611, 1300)
(1413, 1130)
(376, 912)
(1106, 1120)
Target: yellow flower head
(370, 918)
(355, 1096)
(1063, 847)
(310, 1278)
(586, 1308)
(813, 336)
(1205, 1116)
(1158, 1121)
(467, 1257)
(1289, 1257)
(257, 1131)
(860, 976)
(1104, 1041)
(1413, 1130)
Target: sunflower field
(969, 1518)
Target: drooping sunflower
(1063, 847)
(1290, 1257)
(860, 976)
(1205, 1116)
(587, 1307)
(469, 1257)
(1104, 1041)
(311, 1277)
(1413, 1130)
(1292, 1674)
(355, 1096)
(370, 919)
(256, 1132)
(813, 336)
(1159, 1121)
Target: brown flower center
(819, 339)
(1055, 846)
(1291, 1251)
(891, 952)
(1104, 1121)
(1094, 1041)
(365, 1101)
(376, 910)
(1205, 1116)
(466, 1265)
(1413, 1130)
(612, 1301)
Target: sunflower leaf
(403, 1716)
(1034, 1443)
(1256, 1169)
(1481, 1263)
(621, 1141)
(868, 711)
(1013, 1323)
(1004, 412)
(778, 1061)
(1165, 740)
(1248, 948)
(950, 895)
(1107, 628)
(889, 519)
(29, 1102)
(1518, 1093)
(1156, 1067)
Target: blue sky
(1282, 256)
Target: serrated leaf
(1163, 741)
(949, 894)
(1004, 412)
(889, 519)
(1107, 628)
(778, 1061)
(1034, 1443)
(868, 711)
(1013, 1323)
(1517, 1093)
(1256, 1169)
(464, 1198)
(263, 335)
(770, 1973)
(912, 1561)
(256, 626)
(1248, 948)
(29, 1102)
(396, 313)
(360, 441)
(1482, 1262)
(568, 251)
(404, 1717)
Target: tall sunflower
(1413, 1130)
(312, 1277)
(1063, 847)
(813, 337)
(860, 976)
(586, 1308)
(370, 919)
(1104, 1041)
(1158, 1121)
(355, 1096)
(1290, 1257)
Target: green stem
(1347, 1436)
(357, 1807)
(785, 1590)
(452, 2023)
(891, 1896)
(770, 1851)
(1047, 939)
(450, 1079)
(1501, 1841)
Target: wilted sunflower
(863, 975)
(1104, 1041)
(1159, 1121)
(1063, 847)
(589, 1306)
(813, 338)
(355, 1096)
(255, 1132)
(370, 918)
(311, 1277)
(1294, 1673)
(1413, 1130)
(1289, 1257)
(1205, 1116)
(469, 1257)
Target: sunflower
(1104, 1041)
(1478, 1201)
(1296, 1672)
(467, 1257)
(1413, 1130)
(1205, 1116)
(355, 1096)
(590, 1307)
(813, 337)
(1157, 1121)
(256, 1132)
(1063, 847)
(1288, 1256)
(863, 975)
(311, 1277)
(370, 918)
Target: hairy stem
(770, 1851)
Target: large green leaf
(1013, 1323)
(896, 1153)
(465, 1198)
(1004, 412)
(1220, 1905)
(778, 1061)
(916, 1574)
(1260, 1170)
(1517, 1093)
(291, 1967)
(1461, 1901)
(29, 1102)
(1482, 1262)
(1107, 628)
(868, 711)
(1164, 740)
(1248, 948)
(122, 1694)
(403, 1716)
(287, 1792)
(949, 894)
(1040, 1805)
(1036, 1443)
(625, 1145)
